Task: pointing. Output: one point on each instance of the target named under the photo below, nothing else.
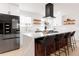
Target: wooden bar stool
(48, 44)
(68, 42)
(73, 41)
(60, 44)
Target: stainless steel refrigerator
(9, 33)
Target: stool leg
(55, 48)
(59, 48)
(45, 52)
(74, 43)
(59, 52)
(71, 43)
(65, 51)
(67, 47)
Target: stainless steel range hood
(49, 11)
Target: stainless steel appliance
(9, 33)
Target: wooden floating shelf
(66, 23)
(69, 22)
(36, 21)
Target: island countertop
(40, 34)
(29, 40)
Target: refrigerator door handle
(10, 38)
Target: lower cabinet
(41, 50)
(9, 44)
(51, 46)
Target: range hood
(49, 10)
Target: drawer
(9, 44)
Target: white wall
(26, 25)
(4, 8)
(61, 11)
(14, 9)
(8, 8)
(38, 8)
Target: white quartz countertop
(37, 35)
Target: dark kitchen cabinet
(45, 47)
(51, 45)
(39, 48)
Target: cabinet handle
(10, 38)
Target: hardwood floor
(74, 53)
(22, 52)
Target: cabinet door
(9, 44)
(39, 48)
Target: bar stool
(48, 44)
(68, 41)
(60, 44)
(73, 41)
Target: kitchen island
(33, 48)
